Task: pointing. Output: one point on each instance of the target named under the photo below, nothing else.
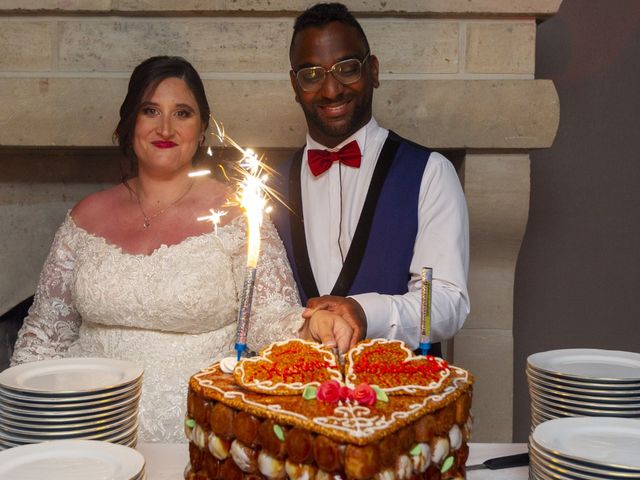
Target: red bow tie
(321, 160)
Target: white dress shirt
(332, 203)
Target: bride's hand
(329, 329)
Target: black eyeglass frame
(330, 71)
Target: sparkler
(252, 195)
(425, 314)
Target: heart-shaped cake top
(288, 367)
(394, 368)
(268, 386)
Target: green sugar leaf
(447, 464)
(190, 422)
(310, 393)
(380, 394)
(277, 429)
(415, 451)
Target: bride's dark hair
(144, 79)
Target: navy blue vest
(382, 247)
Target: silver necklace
(148, 218)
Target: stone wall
(457, 75)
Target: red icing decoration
(293, 373)
(427, 367)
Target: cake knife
(509, 461)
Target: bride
(133, 275)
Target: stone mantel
(517, 114)
(456, 75)
(540, 9)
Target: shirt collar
(359, 136)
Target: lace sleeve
(53, 322)
(275, 309)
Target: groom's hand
(347, 308)
(329, 329)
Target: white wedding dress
(172, 312)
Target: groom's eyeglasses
(346, 72)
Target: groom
(369, 209)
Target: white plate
(587, 363)
(573, 402)
(605, 441)
(57, 398)
(68, 431)
(586, 412)
(7, 422)
(580, 394)
(71, 460)
(49, 412)
(29, 405)
(555, 462)
(568, 412)
(70, 375)
(542, 411)
(116, 435)
(581, 386)
(542, 467)
(35, 417)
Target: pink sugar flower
(346, 394)
(329, 391)
(365, 395)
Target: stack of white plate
(72, 460)
(583, 383)
(585, 448)
(73, 398)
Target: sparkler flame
(252, 193)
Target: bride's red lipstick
(164, 144)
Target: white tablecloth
(167, 461)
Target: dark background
(578, 273)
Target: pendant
(146, 223)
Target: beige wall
(455, 74)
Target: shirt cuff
(377, 308)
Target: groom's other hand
(328, 328)
(347, 308)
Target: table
(166, 461)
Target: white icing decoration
(351, 376)
(353, 420)
(297, 471)
(241, 457)
(455, 437)
(404, 467)
(440, 450)
(268, 385)
(227, 364)
(198, 436)
(322, 475)
(422, 460)
(387, 474)
(270, 466)
(217, 447)
(468, 428)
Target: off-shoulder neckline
(162, 247)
